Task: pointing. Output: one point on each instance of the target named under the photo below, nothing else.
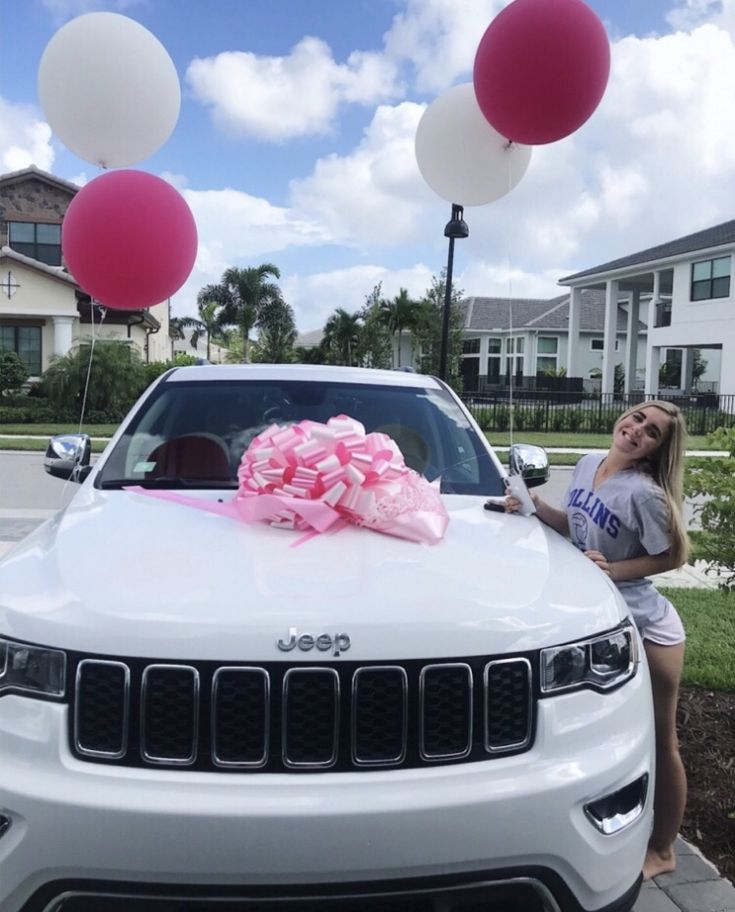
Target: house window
(470, 365)
(39, 241)
(514, 354)
(25, 341)
(494, 354)
(598, 345)
(711, 279)
(547, 350)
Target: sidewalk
(695, 886)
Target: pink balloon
(129, 239)
(541, 69)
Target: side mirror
(67, 456)
(530, 462)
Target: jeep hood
(117, 573)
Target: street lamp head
(457, 227)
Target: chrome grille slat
(442, 724)
(246, 714)
(87, 728)
(286, 717)
(156, 696)
(515, 734)
(307, 695)
(389, 682)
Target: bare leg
(669, 799)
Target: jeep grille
(284, 717)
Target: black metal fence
(577, 412)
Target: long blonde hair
(666, 467)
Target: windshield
(193, 434)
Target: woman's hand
(513, 505)
(599, 559)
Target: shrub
(537, 418)
(711, 477)
(27, 411)
(13, 372)
(574, 420)
(502, 418)
(116, 379)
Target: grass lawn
(38, 446)
(585, 441)
(48, 430)
(709, 619)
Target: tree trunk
(399, 346)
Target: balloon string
(512, 341)
(103, 313)
(79, 453)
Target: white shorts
(668, 631)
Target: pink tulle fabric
(313, 474)
(313, 477)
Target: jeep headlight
(600, 662)
(31, 669)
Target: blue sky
(320, 178)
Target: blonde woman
(623, 509)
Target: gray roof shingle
(488, 314)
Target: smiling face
(640, 434)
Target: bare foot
(658, 863)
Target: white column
(611, 328)
(62, 334)
(655, 300)
(575, 307)
(653, 362)
(631, 342)
(529, 354)
(484, 348)
(687, 365)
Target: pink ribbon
(308, 476)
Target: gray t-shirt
(625, 517)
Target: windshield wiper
(168, 481)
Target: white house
(682, 291)
(43, 311)
(525, 337)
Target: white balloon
(461, 156)
(109, 89)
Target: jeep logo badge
(338, 643)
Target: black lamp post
(456, 229)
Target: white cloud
(235, 228)
(688, 14)
(315, 297)
(24, 138)
(278, 98)
(440, 38)
(482, 279)
(373, 195)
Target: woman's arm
(634, 567)
(548, 515)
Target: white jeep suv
(195, 715)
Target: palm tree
(276, 332)
(209, 304)
(241, 295)
(399, 314)
(341, 335)
(175, 331)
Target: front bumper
(76, 822)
